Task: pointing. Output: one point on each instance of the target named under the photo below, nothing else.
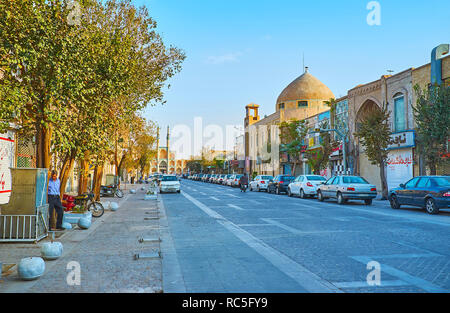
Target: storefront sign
(6, 161)
(399, 167)
(402, 140)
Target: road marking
(235, 207)
(253, 225)
(214, 198)
(254, 201)
(230, 195)
(300, 232)
(412, 280)
(308, 280)
(203, 194)
(362, 284)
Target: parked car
(206, 177)
(225, 179)
(305, 185)
(169, 183)
(220, 179)
(260, 182)
(229, 180)
(345, 188)
(280, 184)
(429, 192)
(235, 180)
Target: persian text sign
(402, 140)
(399, 167)
(6, 161)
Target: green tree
(319, 159)
(432, 117)
(292, 137)
(375, 135)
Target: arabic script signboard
(402, 140)
(6, 161)
(399, 167)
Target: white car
(235, 180)
(305, 185)
(260, 182)
(169, 183)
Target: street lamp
(341, 136)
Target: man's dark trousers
(54, 202)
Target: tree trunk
(433, 168)
(293, 169)
(43, 145)
(84, 171)
(384, 186)
(66, 169)
(98, 175)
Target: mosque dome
(305, 87)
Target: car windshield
(442, 181)
(287, 178)
(169, 178)
(354, 180)
(239, 176)
(317, 178)
(266, 177)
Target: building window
(281, 106)
(399, 113)
(302, 104)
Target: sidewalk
(105, 253)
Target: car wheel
(251, 189)
(340, 198)
(430, 206)
(257, 189)
(302, 194)
(368, 201)
(394, 202)
(179, 191)
(320, 196)
(289, 192)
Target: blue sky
(243, 51)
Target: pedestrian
(54, 200)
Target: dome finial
(306, 69)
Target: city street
(228, 241)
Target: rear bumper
(361, 196)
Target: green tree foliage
(319, 159)
(375, 136)
(432, 117)
(292, 137)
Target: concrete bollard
(31, 268)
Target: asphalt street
(228, 241)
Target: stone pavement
(105, 253)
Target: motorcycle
(244, 187)
(83, 203)
(111, 191)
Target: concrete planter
(66, 225)
(114, 206)
(73, 218)
(51, 250)
(31, 268)
(84, 223)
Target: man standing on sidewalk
(54, 200)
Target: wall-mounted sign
(401, 140)
(6, 161)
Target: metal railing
(23, 228)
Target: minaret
(157, 150)
(168, 151)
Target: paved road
(228, 241)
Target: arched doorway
(364, 167)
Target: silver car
(345, 188)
